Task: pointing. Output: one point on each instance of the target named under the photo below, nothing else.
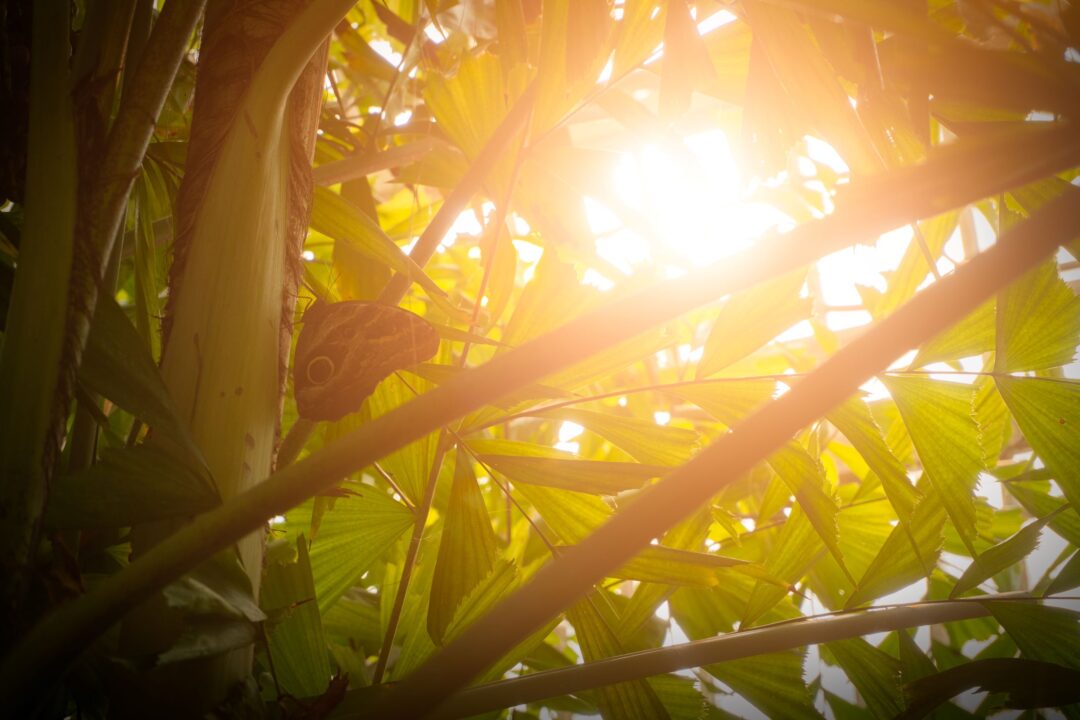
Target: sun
(681, 204)
(686, 203)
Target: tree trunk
(241, 219)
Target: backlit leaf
(352, 536)
(660, 564)
(909, 553)
(752, 318)
(1026, 684)
(644, 441)
(727, 401)
(1068, 576)
(1042, 632)
(687, 65)
(336, 217)
(1048, 413)
(854, 420)
(971, 336)
(805, 478)
(873, 672)
(1003, 555)
(1038, 322)
(297, 644)
(939, 417)
(773, 683)
(467, 551)
(811, 82)
(796, 549)
(633, 699)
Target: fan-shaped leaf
(1038, 322)
(752, 318)
(1048, 413)
(873, 672)
(467, 551)
(854, 420)
(643, 440)
(727, 401)
(297, 644)
(939, 417)
(909, 553)
(633, 699)
(352, 535)
(1003, 555)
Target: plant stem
(776, 637)
(455, 203)
(878, 204)
(557, 585)
(421, 515)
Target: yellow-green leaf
(1048, 413)
(626, 700)
(752, 318)
(1038, 322)
(1003, 555)
(297, 644)
(940, 419)
(352, 536)
(910, 553)
(854, 420)
(591, 476)
(642, 440)
(467, 551)
(727, 401)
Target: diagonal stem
(559, 584)
(420, 516)
(433, 234)
(776, 637)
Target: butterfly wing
(347, 348)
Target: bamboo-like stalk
(776, 637)
(32, 359)
(569, 577)
(961, 174)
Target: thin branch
(459, 197)
(962, 172)
(511, 500)
(776, 637)
(394, 486)
(661, 387)
(419, 522)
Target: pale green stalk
(774, 638)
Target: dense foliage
(794, 287)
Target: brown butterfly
(347, 348)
